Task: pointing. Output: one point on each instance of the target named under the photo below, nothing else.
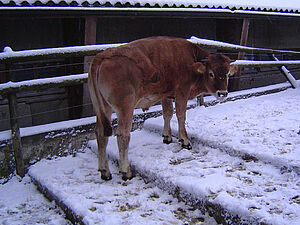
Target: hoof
(167, 139)
(188, 146)
(105, 175)
(126, 176)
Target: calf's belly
(147, 101)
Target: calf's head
(215, 71)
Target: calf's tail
(97, 98)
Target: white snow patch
(21, 203)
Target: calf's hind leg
(102, 158)
(167, 108)
(123, 138)
(180, 105)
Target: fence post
(287, 74)
(15, 134)
(200, 100)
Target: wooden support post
(241, 55)
(287, 74)
(244, 36)
(90, 38)
(200, 100)
(15, 134)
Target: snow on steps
(198, 137)
(231, 189)
(75, 185)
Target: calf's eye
(211, 74)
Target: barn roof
(282, 7)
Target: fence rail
(10, 89)
(251, 63)
(9, 56)
(43, 83)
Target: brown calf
(140, 74)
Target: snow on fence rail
(9, 56)
(78, 51)
(206, 43)
(43, 83)
(251, 63)
(11, 88)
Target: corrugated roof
(288, 6)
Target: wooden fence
(10, 89)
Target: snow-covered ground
(216, 170)
(21, 203)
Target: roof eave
(146, 11)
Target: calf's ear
(233, 69)
(199, 67)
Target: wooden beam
(89, 38)
(241, 55)
(244, 36)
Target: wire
(46, 112)
(43, 67)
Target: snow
(21, 203)
(223, 45)
(270, 125)
(42, 81)
(112, 202)
(9, 53)
(152, 9)
(266, 5)
(216, 170)
(262, 63)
